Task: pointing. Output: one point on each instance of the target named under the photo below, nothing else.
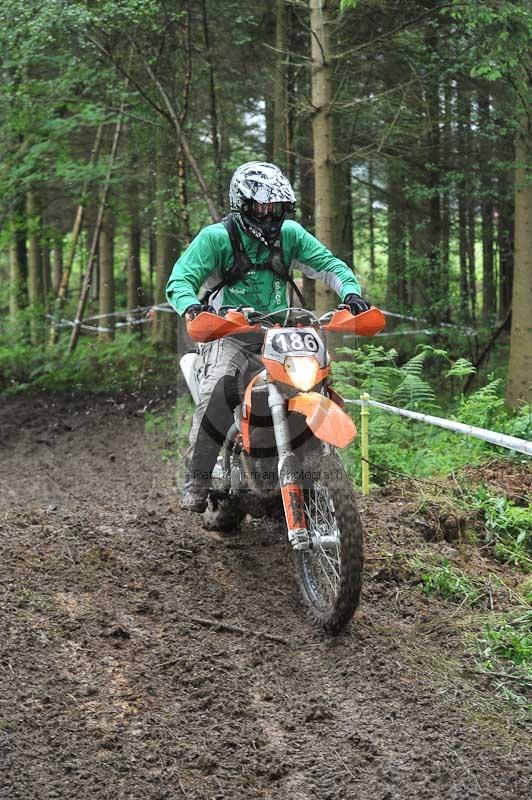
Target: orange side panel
(292, 495)
(325, 418)
(246, 414)
(366, 324)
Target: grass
(448, 583)
(508, 527)
(498, 642)
(174, 425)
(126, 364)
(505, 654)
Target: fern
(413, 390)
(461, 368)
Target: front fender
(325, 418)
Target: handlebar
(208, 326)
(259, 316)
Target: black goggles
(268, 211)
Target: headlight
(302, 371)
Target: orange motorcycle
(283, 443)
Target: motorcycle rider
(244, 261)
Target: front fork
(290, 477)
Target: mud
(132, 660)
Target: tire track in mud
(110, 689)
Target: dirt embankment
(116, 683)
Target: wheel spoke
(323, 566)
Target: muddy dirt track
(115, 682)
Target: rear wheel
(330, 572)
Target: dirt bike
(283, 442)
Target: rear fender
(325, 418)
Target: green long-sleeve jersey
(210, 254)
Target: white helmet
(261, 196)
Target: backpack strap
(242, 264)
(276, 264)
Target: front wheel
(329, 573)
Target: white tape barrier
(130, 320)
(500, 439)
(394, 314)
(129, 314)
(413, 332)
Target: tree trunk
(281, 143)
(505, 227)
(420, 291)
(134, 277)
(462, 109)
(152, 262)
(18, 264)
(396, 289)
(306, 199)
(57, 263)
(446, 159)
(90, 231)
(519, 386)
(505, 237)
(326, 214)
(371, 218)
(438, 308)
(213, 107)
(76, 230)
(35, 282)
(489, 296)
(462, 254)
(471, 255)
(472, 156)
(182, 191)
(269, 107)
(182, 188)
(107, 280)
(345, 190)
(164, 323)
(46, 269)
(85, 288)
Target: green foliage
(451, 584)
(414, 391)
(511, 640)
(508, 527)
(505, 651)
(402, 446)
(461, 368)
(127, 363)
(483, 408)
(500, 31)
(174, 426)
(375, 370)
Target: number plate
(295, 342)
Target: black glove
(197, 308)
(355, 303)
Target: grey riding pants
(229, 364)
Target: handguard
(208, 326)
(368, 323)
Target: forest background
(404, 126)
(406, 129)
